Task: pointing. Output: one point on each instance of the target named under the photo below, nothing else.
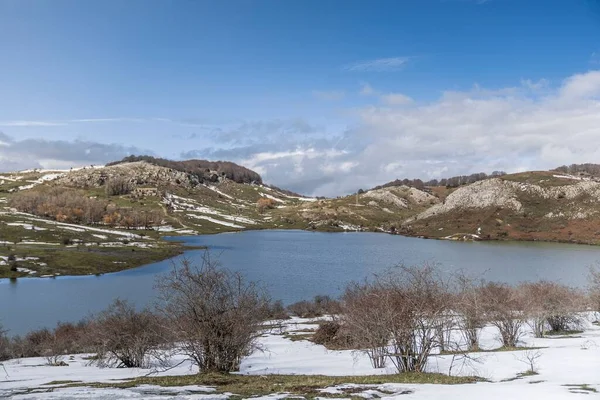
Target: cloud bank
(57, 154)
(531, 125)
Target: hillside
(102, 219)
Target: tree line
(77, 207)
(451, 182)
(200, 168)
(588, 168)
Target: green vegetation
(563, 333)
(581, 388)
(302, 385)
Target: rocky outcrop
(136, 173)
(401, 196)
(507, 194)
(489, 193)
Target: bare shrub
(470, 306)
(594, 290)
(276, 311)
(551, 305)
(124, 337)
(215, 313)
(398, 316)
(504, 309)
(264, 204)
(332, 335)
(531, 357)
(118, 186)
(319, 306)
(367, 314)
(5, 345)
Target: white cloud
(396, 99)
(461, 132)
(378, 65)
(332, 95)
(581, 86)
(41, 153)
(30, 123)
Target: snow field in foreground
(563, 361)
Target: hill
(101, 219)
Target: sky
(322, 97)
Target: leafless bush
(276, 311)
(118, 186)
(551, 305)
(216, 314)
(594, 289)
(470, 306)
(398, 316)
(332, 335)
(504, 306)
(124, 337)
(319, 306)
(531, 357)
(265, 204)
(5, 345)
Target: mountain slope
(103, 219)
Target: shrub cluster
(317, 307)
(75, 206)
(201, 168)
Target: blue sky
(318, 96)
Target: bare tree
(594, 290)
(504, 309)
(551, 305)
(5, 348)
(216, 314)
(531, 357)
(470, 306)
(124, 337)
(117, 186)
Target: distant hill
(203, 169)
(103, 219)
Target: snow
(42, 179)
(187, 205)
(214, 189)
(565, 361)
(268, 196)
(215, 221)
(63, 225)
(26, 226)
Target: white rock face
(488, 193)
(401, 196)
(497, 192)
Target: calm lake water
(293, 265)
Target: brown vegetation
(215, 314)
(75, 206)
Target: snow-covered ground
(564, 366)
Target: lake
(293, 265)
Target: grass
(304, 385)
(581, 388)
(86, 260)
(563, 333)
(522, 375)
(496, 350)
(299, 337)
